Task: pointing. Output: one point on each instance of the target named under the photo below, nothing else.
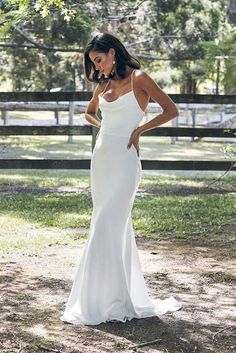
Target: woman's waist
(116, 131)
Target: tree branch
(42, 47)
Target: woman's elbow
(87, 116)
(173, 113)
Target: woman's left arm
(153, 91)
(170, 110)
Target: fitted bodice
(121, 116)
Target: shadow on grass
(177, 190)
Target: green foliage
(222, 49)
(191, 33)
(196, 22)
(42, 69)
(43, 7)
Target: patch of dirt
(34, 290)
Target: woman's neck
(128, 72)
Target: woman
(109, 284)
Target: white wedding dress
(109, 283)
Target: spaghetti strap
(132, 80)
(105, 88)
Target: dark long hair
(102, 43)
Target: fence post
(193, 120)
(177, 123)
(5, 117)
(174, 123)
(71, 118)
(57, 115)
(186, 113)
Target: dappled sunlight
(71, 219)
(43, 229)
(150, 148)
(45, 177)
(165, 206)
(181, 150)
(39, 330)
(35, 289)
(21, 236)
(10, 223)
(49, 147)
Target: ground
(34, 290)
(40, 259)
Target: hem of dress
(168, 305)
(104, 321)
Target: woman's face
(103, 61)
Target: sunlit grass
(81, 178)
(24, 235)
(44, 178)
(31, 221)
(151, 147)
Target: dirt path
(34, 291)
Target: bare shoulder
(143, 81)
(142, 77)
(154, 91)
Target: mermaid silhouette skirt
(109, 283)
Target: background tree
(175, 40)
(43, 69)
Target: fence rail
(85, 164)
(87, 130)
(86, 96)
(70, 129)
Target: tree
(184, 26)
(231, 11)
(44, 69)
(177, 30)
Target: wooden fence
(71, 97)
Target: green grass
(192, 216)
(182, 216)
(60, 210)
(30, 236)
(44, 178)
(159, 148)
(31, 221)
(37, 115)
(81, 178)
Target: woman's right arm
(91, 111)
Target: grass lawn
(151, 147)
(41, 208)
